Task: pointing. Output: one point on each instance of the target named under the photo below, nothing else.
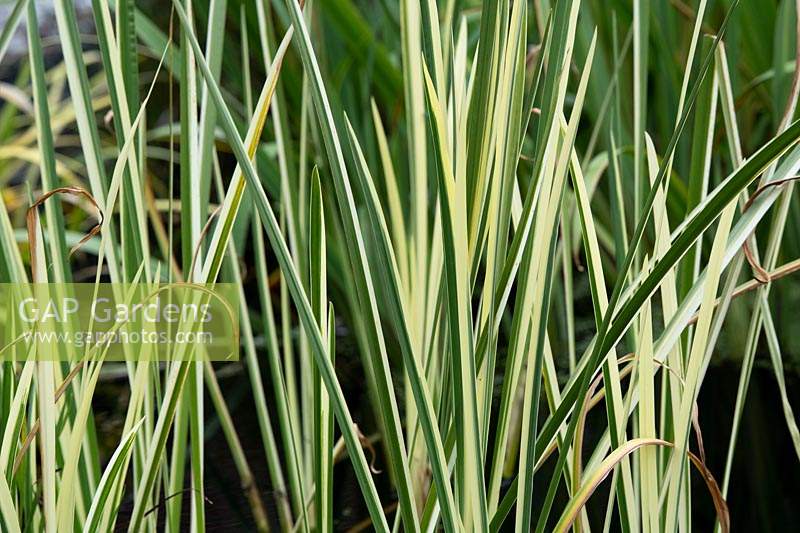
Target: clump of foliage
(538, 222)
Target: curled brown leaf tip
(33, 215)
(367, 444)
(759, 273)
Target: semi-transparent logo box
(119, 321)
